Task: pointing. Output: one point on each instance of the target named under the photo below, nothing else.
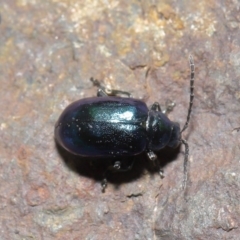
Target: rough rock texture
(48, 52)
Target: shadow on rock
(96, 168)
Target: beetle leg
(119, 92)
(169, 105)
(119, 166)
(104, 184)
(153, 157)
(168, 108)
(116, 167)
(104, 181)
(161, 173)
(103, 92)
(95, 82)
(156, 107)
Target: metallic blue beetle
(117, 127)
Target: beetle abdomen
(106, 126)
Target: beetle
(110, 126)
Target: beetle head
(160, 129)
(175, 139)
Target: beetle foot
(161, 173)
(95, 82)
(104, 184)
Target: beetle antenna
(192, 68)
(185, 164)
